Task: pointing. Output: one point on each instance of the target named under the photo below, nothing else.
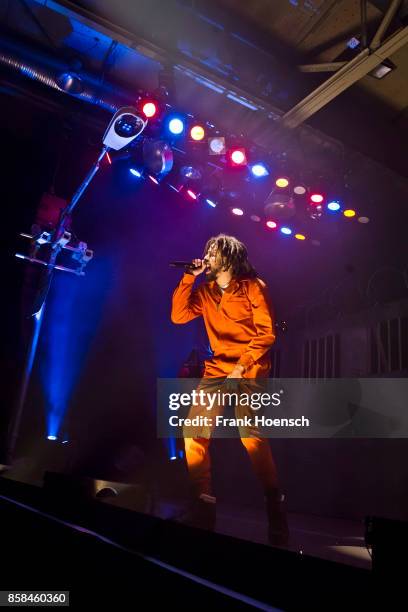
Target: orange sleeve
(186, 302)
(263, 318)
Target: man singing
(239, 320)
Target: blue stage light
(333, 206)
(176, 125)
(51, 437)
(211, 202)
(286, 230)
(259, 170)
(135, 172)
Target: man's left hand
(237, 371)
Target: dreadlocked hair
(234, 255)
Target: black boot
(201, 514)
(278, 531)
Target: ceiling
(233, 60)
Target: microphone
(182, 264)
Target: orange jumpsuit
(240, 328)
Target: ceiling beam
(324, 67)
(161, 55)
(346, 76)
(382, 28)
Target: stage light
(237, 211)
(51, 437)
(333, 206)
(192, 195)
(197, 132)
(135, 172)
(255, 218)
(70, 83)
(211, 202)
(125, 126)
(157, 156)
(237, 157)
(149, 109)
(190, 173)
(380, 71)
(316, 198)
(282, 182)
(216, 145)
(176, 126)
(349, 213)
(363, 220)
(153, 179)
(286, 230)
(314, 210)
(259, 170)
(300, 237)
(299, 190)
(271, 224)
(279, 205)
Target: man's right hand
(200, 266)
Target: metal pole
(39, 307)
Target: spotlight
(282, 182)
(255, 218)
(286, 230)
(349, 213)
(70, 83)
(237, 211)
(380, 71)
(314, 210)
(211, 202)
(299, 190)
(190, 173)
(135, 172)
(176, 126)
(51, 437)
(237, 157)
(279, 205)
(363, 220)
(124, 127)
(333, 206)
(300, 237)
(149, 109)
(191, 193)
(316, 198)
(259, 170)
(271, 224)
(153, 179)
(216, 145)
(197, 132)
(157, 156)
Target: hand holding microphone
(195, 267)
(199, 266)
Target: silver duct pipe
(40, 67)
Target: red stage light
(192, 195)
(237, 157)
(149, 109)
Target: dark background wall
(108, 336)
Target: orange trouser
(197, 447)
